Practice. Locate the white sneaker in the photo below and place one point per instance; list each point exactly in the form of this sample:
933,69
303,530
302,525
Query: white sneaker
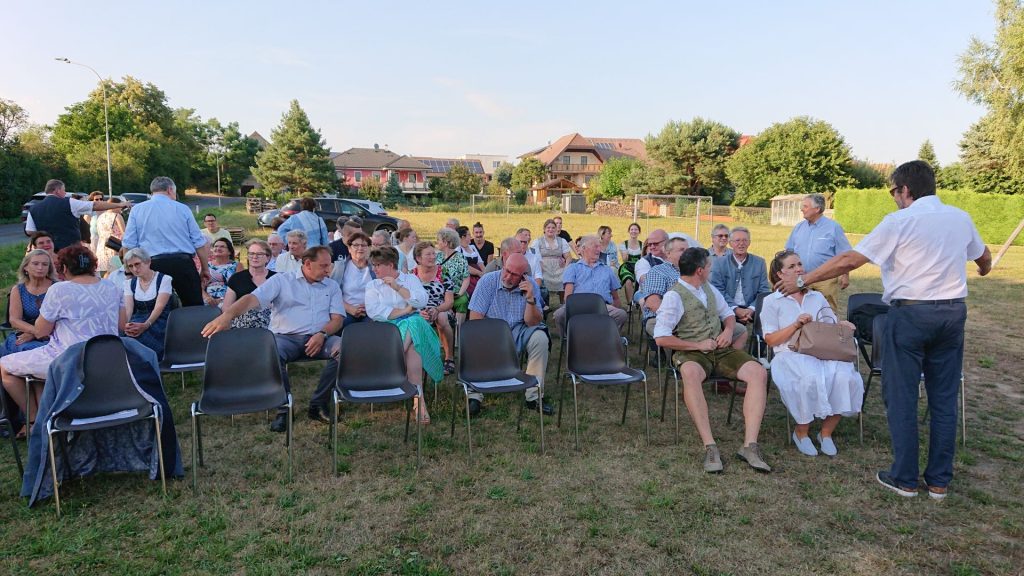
828,447
804,445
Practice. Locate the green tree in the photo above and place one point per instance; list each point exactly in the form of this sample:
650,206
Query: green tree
503,175
610,181
651,179
462,183
992,75
371,189
439,188
529,172
866,175
697,151
393,193
951,177
12,118
801,156
297,157
494,188
927,153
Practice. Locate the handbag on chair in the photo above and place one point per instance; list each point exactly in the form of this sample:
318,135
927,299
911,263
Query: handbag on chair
825,340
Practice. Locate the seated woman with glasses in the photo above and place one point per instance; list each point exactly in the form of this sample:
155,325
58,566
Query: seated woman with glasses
222,267
353,274
440,299
147,302
397,298
810,388
246,281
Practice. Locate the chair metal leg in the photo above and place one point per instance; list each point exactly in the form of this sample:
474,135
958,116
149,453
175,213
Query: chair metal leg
963,411
661,380
732,401
469,429
195,448
419,434
408,412
561,399
647,415
182,380
14,446
558,370
53,474
454,405
160,451
289,438
540,412
519,418
575,412
199,440
676,378
334,432
625,404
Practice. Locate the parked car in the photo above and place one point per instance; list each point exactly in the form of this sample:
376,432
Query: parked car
266,217
331,209
136,197
375,207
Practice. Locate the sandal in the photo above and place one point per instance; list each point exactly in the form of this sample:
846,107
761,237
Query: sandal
422,417
449,367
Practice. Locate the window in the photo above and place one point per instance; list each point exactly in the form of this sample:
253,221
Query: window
358,176
566,159
583,160
496,163
412,177
376,176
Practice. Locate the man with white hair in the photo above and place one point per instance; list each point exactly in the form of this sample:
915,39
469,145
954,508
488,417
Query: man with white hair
816,239
719,243
292,259
590,275
276,247
452,223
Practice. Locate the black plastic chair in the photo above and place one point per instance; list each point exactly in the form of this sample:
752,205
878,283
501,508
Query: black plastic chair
575,304
7,411
371,370
597,356
854,302
110,397
488,364
242,376
184,346
6,327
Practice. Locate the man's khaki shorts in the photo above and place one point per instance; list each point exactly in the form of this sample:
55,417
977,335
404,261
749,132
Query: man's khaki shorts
724,362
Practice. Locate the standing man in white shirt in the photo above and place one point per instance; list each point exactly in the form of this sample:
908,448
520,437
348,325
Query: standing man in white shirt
922,249
59,215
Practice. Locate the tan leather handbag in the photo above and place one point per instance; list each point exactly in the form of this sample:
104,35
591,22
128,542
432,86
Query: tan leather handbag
825,340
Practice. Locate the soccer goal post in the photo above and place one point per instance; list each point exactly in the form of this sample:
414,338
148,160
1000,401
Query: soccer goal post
490,204
680,213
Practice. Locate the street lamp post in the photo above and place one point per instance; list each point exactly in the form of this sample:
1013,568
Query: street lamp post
106,124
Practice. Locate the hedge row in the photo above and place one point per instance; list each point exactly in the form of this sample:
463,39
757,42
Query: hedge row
995,215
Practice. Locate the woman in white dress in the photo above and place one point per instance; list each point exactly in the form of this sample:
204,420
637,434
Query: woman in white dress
810,388
554,257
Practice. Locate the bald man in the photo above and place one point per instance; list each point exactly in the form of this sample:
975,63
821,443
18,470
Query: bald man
510,294
655,254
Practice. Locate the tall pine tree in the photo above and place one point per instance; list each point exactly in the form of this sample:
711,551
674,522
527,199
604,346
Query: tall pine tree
297,158
927,153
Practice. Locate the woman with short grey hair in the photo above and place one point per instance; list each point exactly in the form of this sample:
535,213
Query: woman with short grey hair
147,301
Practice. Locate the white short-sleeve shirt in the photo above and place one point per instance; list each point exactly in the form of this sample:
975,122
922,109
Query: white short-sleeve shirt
923,250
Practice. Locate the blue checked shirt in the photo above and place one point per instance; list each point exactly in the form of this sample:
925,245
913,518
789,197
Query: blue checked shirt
492,300
597,279
657,282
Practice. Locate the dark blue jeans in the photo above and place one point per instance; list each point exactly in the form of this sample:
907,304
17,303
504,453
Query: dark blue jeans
292,348
923,339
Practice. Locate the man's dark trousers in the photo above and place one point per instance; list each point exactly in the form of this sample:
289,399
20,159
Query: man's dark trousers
184,277
923,339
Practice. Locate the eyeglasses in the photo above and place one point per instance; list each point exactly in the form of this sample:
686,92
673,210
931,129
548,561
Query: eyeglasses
721,236
649,243
254,254
892,191
358,246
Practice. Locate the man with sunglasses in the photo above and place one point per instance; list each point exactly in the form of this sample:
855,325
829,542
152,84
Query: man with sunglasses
719,243
655,254
922,249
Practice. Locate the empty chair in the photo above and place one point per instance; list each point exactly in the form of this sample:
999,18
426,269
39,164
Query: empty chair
7,411
575,304
371,370
184,346
488,364
597,356
109,397
242,376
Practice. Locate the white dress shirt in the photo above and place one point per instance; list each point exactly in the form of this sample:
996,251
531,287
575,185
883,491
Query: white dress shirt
382,299
671,309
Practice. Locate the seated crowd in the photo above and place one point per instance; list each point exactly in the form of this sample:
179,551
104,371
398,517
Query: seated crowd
306,285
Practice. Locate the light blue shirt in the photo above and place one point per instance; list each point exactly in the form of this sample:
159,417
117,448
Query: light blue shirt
311,224
493,300
298,306
817,243
598,279
162,226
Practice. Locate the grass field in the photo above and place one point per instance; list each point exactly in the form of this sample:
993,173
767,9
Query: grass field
619,506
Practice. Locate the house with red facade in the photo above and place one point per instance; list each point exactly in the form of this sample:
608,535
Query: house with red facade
355,165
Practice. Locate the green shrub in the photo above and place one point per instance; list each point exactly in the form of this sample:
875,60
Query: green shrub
995,215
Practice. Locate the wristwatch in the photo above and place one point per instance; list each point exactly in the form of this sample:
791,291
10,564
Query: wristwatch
800,282
531,301
324,333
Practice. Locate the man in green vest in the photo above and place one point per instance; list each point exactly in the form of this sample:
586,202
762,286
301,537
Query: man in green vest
695,322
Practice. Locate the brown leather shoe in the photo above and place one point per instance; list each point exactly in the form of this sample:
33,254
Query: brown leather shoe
937,492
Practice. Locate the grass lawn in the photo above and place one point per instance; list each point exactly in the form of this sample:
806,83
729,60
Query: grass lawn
619,506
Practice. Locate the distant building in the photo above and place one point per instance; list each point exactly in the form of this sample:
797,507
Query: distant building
439,167
490,162
356,164
573,161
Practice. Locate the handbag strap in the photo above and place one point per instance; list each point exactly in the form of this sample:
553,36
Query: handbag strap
832,319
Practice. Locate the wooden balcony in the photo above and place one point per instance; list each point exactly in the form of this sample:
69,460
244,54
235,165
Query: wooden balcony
574,168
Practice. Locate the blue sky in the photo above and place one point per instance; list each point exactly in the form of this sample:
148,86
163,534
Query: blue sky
449,78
